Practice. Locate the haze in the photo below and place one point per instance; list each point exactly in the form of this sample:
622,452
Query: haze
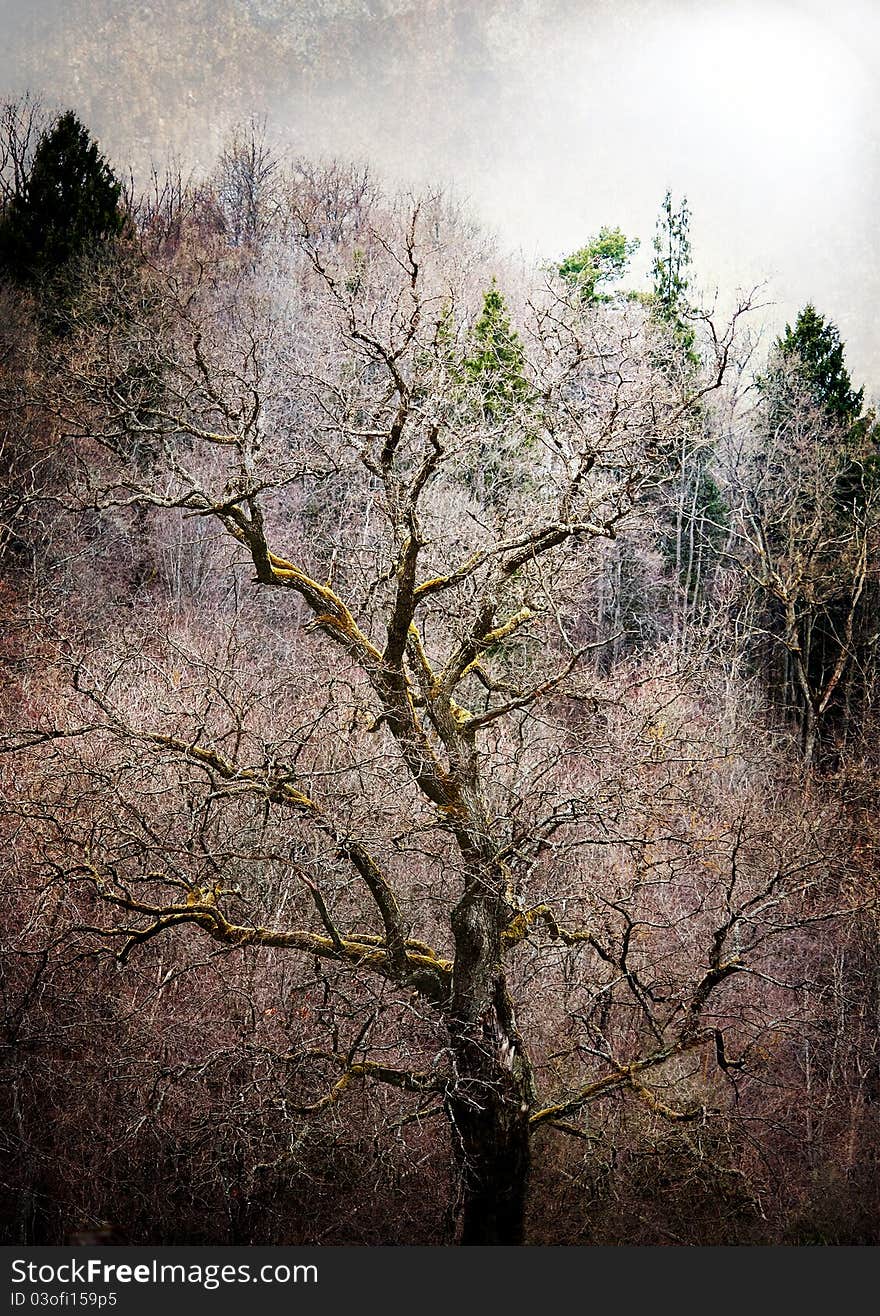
553,117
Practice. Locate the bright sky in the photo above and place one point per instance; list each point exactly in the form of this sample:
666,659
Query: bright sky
554,116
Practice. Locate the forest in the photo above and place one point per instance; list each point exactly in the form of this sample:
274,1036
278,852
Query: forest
438,769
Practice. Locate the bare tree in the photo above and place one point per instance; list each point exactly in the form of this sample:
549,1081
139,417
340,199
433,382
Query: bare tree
22,123
247,184
399,764
806,529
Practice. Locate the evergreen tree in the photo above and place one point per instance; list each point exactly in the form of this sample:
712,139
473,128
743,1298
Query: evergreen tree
489,382
496,361
809,359
670,273
692,542
603,260
672,257
815,349
69,202
812,419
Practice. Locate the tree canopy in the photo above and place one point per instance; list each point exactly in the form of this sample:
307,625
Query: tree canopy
813,347
602,261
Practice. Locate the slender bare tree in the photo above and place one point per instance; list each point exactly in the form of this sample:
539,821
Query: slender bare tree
805,501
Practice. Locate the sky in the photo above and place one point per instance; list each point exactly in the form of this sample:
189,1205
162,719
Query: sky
553,117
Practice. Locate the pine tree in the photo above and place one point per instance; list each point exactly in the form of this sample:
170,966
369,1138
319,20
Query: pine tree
827,638
496,360
808,360
490,383
603,260
814,350
672,257
670,273
693,541
69,203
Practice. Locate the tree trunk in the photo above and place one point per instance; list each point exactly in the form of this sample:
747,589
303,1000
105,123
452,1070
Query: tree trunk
492,1146
488,1105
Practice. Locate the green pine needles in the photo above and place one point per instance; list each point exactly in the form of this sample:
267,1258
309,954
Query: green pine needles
602,261
495,363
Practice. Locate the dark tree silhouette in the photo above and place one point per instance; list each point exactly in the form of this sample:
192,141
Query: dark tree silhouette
815,349
69,202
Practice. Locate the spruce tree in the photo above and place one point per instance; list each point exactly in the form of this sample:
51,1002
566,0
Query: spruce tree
828,640
815,351
808,360
69,202
496,360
